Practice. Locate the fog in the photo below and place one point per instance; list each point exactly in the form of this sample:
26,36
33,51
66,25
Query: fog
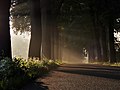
71,56
20,47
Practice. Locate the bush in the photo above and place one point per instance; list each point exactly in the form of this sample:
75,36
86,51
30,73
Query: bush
17,72
10,75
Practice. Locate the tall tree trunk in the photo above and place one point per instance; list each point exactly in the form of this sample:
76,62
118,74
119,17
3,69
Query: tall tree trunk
60,45
58,34
104,48
46,28
96,34
91,54
112,52
55,31
98,46
56,48
5,42
97,37
53,36
50,37
36,30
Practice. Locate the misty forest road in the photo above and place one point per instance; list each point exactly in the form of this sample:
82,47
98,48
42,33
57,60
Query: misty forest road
80,77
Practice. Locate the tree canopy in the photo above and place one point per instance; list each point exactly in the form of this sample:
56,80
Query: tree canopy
86,24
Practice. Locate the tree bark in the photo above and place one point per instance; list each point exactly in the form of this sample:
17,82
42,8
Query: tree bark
50,33
104,47
5,42
97,36
112,52
36,30
91,54
46,28
57,43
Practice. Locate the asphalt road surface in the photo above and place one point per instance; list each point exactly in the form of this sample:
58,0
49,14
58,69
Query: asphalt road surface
79,77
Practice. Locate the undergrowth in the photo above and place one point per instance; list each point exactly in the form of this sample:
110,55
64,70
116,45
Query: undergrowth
107,63
15,73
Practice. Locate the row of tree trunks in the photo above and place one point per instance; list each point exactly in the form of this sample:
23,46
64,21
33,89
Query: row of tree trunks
103,49
44,37
5,43
44,34
50,33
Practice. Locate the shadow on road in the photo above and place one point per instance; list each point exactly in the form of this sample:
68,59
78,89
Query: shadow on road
92,70
35,86
88,66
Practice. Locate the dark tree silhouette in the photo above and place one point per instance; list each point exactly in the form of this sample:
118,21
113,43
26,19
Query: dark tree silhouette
50,33
36,30
104,13
5,42
112,52
46,28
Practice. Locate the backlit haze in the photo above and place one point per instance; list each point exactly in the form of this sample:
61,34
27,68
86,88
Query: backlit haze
20,43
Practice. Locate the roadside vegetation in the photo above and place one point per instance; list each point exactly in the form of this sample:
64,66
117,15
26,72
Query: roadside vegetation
107,63
16,73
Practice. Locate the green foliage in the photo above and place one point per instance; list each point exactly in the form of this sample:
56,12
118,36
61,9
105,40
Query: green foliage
20,16
17,72
21,24
76,20
22,9
107,64
10,75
